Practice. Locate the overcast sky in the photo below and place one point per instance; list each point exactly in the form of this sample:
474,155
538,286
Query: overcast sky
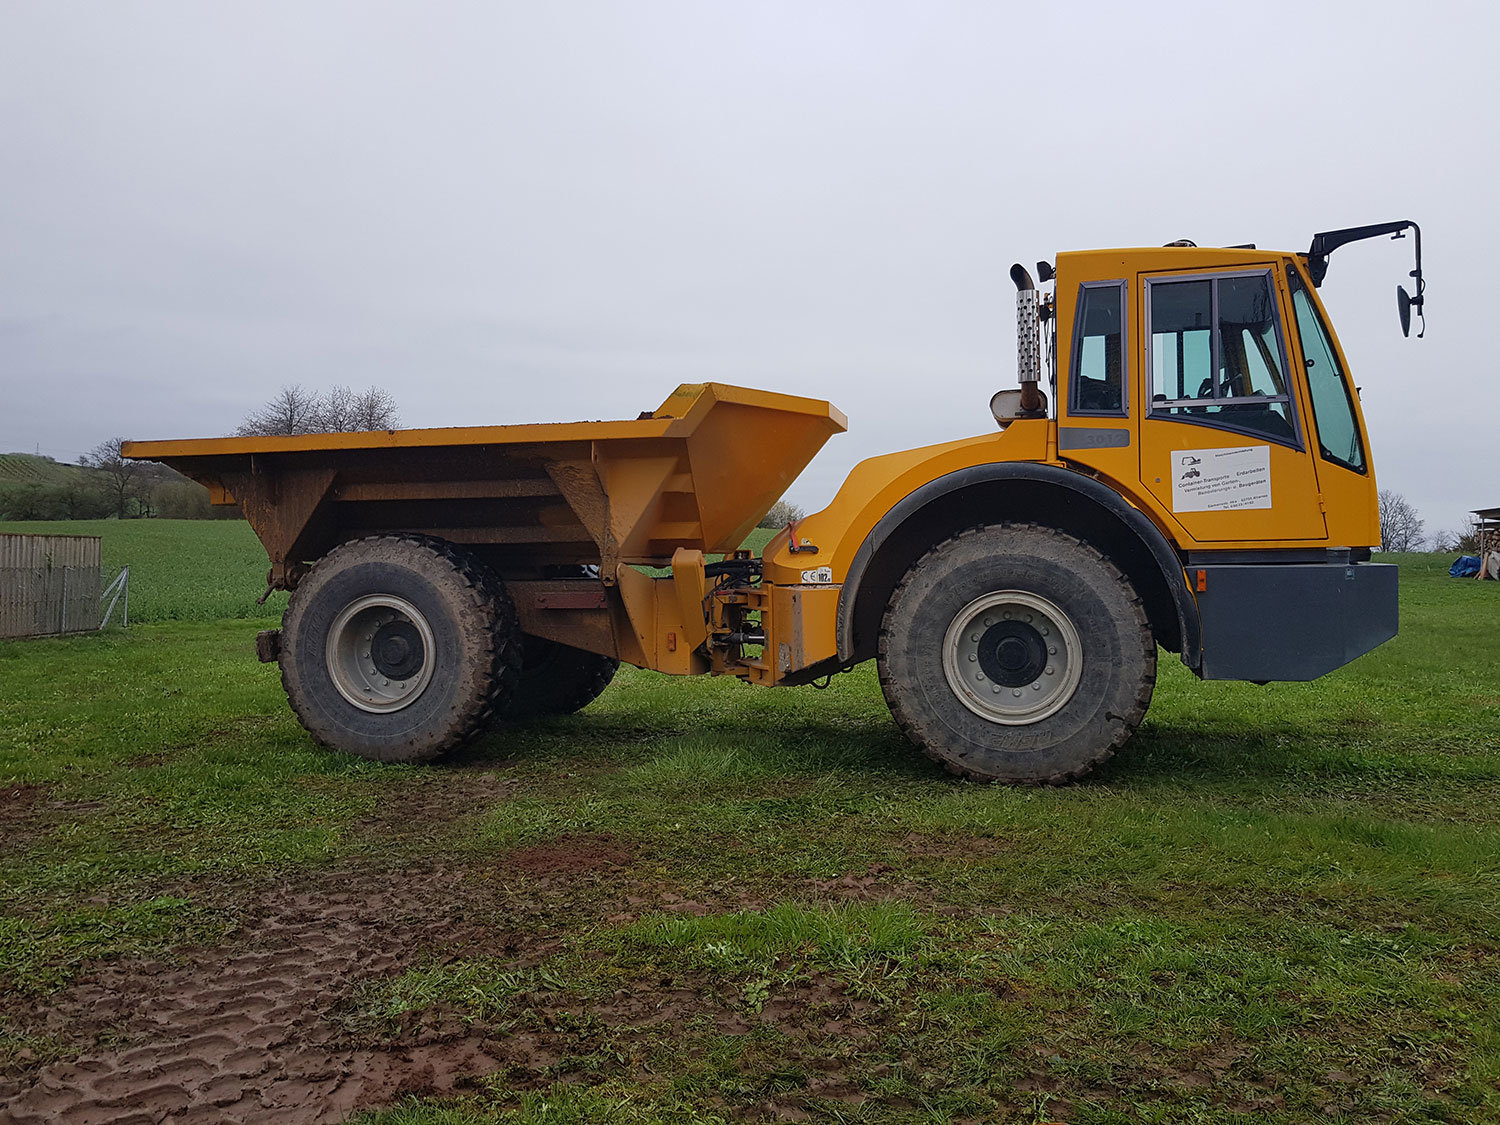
521,212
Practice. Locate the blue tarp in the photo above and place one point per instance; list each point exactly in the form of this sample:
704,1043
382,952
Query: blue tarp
1466,566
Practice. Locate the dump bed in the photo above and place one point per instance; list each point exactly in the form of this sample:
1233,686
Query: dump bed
698,472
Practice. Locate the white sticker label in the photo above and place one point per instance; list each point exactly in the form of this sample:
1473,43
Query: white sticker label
822,576
1221,480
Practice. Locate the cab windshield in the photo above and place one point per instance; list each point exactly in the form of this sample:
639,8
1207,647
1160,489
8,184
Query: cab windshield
1332,399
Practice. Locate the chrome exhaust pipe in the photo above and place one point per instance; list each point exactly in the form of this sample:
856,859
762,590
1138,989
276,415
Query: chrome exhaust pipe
1028,343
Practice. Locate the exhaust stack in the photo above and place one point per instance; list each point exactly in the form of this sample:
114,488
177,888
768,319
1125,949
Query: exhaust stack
1028,345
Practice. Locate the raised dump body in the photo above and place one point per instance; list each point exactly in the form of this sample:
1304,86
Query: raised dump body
698,473
564,514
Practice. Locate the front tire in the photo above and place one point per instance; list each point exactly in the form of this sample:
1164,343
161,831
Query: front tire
398,648
1016,653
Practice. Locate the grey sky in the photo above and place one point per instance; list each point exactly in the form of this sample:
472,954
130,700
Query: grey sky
549,211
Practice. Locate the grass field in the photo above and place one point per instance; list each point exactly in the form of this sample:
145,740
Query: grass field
180,570
702,901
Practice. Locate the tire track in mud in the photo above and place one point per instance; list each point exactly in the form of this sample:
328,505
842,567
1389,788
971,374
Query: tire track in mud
239,1033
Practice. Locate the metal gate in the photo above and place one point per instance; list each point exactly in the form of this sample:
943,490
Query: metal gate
49,584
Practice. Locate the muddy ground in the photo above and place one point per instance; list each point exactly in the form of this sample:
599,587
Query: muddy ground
257,1027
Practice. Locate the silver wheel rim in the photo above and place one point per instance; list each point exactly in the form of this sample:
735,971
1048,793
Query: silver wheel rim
1012,657
372,638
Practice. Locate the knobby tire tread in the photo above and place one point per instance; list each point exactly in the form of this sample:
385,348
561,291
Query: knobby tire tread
914,729
503,637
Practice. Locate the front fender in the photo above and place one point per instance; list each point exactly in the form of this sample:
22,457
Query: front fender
987,493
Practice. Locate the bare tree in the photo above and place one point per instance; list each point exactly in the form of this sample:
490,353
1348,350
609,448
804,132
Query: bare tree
336,411
122,479
1465,540
781,514
344,411
374,409
1400,526
296,410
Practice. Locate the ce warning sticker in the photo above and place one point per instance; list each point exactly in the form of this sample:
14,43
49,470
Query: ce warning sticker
1221,480
822,576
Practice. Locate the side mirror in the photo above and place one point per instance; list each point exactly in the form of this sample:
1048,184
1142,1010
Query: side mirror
1403,309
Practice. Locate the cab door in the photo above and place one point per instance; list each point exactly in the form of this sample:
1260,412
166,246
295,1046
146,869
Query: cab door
1222,445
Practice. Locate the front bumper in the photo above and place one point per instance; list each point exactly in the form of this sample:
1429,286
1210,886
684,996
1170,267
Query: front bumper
1291,621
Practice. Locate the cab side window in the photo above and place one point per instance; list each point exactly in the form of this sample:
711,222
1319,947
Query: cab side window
1217,357
1098,379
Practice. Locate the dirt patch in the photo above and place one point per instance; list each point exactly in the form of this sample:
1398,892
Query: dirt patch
146,761
239,1032
28,810
875,884
417,807
569,855
19,798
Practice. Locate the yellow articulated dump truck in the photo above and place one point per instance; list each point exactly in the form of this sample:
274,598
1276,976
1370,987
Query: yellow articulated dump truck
1198,480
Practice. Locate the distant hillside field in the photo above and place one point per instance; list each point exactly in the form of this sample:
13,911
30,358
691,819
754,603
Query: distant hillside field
27,468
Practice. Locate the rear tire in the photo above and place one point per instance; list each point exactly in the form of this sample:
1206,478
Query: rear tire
1016,653
398,648
556,679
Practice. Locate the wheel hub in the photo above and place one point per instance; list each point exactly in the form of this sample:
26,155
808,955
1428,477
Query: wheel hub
377,653
1012,653
396,650
1012,657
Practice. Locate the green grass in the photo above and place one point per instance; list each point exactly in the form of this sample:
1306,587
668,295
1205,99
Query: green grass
1278,904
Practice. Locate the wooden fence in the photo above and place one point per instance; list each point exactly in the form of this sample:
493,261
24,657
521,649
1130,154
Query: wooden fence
49,584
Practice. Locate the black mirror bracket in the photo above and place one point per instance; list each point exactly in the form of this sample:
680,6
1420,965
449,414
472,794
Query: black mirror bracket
1327,242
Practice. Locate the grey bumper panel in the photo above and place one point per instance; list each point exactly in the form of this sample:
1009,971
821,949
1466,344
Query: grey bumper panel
1292,622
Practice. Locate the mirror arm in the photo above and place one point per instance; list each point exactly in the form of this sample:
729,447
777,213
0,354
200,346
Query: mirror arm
1327,242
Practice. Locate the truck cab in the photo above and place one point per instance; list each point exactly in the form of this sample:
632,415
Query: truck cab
1208,386
1203,450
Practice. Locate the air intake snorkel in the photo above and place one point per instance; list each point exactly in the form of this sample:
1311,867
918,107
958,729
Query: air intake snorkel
1028,347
